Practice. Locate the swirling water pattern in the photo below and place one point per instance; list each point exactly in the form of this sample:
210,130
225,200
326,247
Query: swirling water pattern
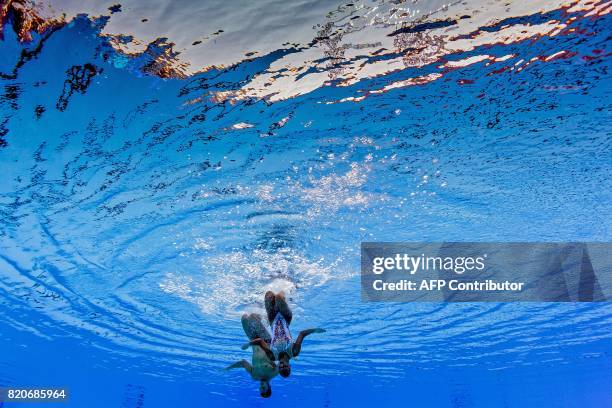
142,214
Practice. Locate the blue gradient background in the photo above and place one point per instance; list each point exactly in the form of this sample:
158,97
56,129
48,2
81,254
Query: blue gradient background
138,225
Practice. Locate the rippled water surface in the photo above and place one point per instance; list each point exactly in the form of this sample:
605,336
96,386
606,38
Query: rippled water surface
149,198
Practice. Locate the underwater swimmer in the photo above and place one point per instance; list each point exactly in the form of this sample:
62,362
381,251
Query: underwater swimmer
281,344
262,365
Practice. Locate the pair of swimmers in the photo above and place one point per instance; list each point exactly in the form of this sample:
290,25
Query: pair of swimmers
270,348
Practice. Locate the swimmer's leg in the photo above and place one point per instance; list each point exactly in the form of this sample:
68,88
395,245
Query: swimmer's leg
269,301
254,328
260,328
282,307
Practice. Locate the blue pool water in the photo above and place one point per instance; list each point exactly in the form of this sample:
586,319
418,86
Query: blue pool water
143,213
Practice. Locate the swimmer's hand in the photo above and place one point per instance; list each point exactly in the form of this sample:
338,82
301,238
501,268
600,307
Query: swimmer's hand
242,363
256,342
318,330
261,343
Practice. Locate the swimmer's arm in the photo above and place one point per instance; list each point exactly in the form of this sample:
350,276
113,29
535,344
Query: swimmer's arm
264,346
242,363
297,346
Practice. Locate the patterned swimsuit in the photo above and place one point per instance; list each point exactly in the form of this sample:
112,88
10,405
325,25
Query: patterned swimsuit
281,337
